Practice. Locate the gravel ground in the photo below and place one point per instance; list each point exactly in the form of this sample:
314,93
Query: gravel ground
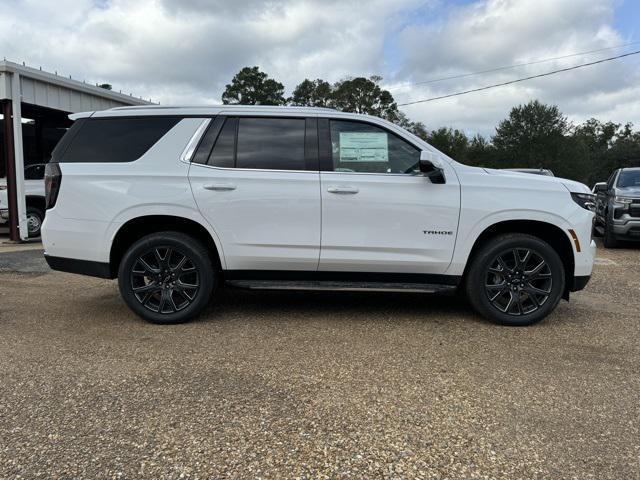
316,385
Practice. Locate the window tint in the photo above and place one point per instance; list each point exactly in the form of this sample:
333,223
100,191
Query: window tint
611,180
271,143
222,154
115,139
34,172
362,147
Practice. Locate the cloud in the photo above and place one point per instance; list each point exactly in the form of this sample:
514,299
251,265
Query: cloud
494,33
184,52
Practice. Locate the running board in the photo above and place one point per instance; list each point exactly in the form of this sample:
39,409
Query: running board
341,286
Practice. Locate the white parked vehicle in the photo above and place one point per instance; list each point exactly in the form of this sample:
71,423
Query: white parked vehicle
175,201
35,198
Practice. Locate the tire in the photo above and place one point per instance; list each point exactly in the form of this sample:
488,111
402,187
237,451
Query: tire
35,217
534,286
609,240
155,271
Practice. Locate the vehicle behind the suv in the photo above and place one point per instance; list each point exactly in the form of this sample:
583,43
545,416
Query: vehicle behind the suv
618,207
34,198
175,202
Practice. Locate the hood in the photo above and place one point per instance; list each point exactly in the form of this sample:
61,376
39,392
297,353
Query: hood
628,191
570,185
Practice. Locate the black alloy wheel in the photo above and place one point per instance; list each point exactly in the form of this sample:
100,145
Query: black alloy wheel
164,279
515,279
167,277
518,281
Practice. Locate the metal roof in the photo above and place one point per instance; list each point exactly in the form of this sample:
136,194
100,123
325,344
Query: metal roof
50,90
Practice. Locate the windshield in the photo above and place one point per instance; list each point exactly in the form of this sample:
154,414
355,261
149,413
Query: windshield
629,178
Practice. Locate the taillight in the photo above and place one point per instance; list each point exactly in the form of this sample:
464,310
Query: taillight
52,179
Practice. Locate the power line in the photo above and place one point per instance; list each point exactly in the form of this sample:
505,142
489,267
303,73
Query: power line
519,79
509,67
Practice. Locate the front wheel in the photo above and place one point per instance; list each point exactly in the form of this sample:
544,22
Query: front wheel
515,279
609,240
167,277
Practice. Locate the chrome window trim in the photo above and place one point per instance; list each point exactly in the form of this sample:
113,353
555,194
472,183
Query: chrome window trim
190,149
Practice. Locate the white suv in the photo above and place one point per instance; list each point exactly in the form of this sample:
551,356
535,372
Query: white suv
175,201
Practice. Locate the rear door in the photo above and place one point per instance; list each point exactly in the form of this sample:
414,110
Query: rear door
379,214
256,181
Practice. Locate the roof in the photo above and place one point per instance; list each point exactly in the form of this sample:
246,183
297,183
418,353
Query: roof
51,90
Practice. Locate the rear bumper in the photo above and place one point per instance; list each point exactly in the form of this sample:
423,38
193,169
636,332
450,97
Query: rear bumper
81,267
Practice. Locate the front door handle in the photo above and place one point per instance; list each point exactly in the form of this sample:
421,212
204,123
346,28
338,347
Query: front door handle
220,186
343,190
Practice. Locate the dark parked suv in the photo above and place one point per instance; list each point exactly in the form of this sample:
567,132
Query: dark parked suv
618,207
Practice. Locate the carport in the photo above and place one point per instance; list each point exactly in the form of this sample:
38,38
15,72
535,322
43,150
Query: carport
34,109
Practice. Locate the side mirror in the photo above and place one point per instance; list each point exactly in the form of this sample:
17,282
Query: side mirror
431,166
600,187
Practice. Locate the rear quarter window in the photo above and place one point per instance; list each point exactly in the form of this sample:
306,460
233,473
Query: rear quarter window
108,140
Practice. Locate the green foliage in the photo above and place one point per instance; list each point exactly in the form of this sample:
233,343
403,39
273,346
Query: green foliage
250,86
106,86
364,95
312,93
452,142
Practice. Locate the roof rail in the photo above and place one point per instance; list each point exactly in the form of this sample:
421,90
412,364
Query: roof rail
260,107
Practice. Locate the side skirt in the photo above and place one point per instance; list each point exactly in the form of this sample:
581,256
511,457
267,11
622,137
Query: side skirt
342,281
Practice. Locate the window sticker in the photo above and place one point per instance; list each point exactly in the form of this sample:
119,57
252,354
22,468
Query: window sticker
363,147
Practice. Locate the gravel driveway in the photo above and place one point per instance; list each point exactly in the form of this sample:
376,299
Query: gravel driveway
316,385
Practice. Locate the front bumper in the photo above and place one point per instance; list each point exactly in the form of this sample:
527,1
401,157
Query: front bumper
580,282
629,229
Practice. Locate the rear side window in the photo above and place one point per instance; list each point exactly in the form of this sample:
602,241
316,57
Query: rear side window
103,140
271,143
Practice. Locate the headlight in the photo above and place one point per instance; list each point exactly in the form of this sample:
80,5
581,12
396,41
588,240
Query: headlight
623,201
585,200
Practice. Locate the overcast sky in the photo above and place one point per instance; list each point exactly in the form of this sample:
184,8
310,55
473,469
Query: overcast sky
184,52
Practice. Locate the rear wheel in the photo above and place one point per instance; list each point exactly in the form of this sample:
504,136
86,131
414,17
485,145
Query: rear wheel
515,279
35,217
167,277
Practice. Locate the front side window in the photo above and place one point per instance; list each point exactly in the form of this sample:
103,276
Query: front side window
113,139
362,147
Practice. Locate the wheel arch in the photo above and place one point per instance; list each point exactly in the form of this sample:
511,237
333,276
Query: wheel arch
555,236
138,227
36,201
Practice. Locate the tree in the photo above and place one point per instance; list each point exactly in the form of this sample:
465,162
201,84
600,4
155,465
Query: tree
364,95
106,86
451,142
531,136
312,93
250,86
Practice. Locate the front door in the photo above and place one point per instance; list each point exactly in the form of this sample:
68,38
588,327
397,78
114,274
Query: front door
260,191
378,213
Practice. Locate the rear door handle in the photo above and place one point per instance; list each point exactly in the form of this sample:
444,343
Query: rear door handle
220,186
343,190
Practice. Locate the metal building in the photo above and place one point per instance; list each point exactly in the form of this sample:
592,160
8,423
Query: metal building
37,104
